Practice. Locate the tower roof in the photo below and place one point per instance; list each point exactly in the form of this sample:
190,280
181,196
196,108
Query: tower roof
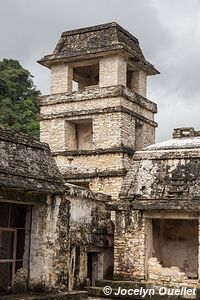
97,41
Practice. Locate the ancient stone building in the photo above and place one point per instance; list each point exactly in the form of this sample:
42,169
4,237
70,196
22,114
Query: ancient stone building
56,230
51,232
157,217
97,114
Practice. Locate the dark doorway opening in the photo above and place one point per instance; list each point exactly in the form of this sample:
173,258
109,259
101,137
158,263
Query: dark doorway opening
15,226
92,267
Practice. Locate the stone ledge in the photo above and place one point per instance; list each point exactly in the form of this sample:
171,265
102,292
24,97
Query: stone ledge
98,93
116,109
77,191
152,204
118,173
114,150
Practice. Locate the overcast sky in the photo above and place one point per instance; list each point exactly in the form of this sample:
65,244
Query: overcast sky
168,31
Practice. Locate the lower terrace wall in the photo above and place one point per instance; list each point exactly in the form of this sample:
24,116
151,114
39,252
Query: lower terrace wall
134,252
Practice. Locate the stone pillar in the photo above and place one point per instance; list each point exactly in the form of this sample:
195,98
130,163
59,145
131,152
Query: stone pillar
112,71
138,83
199,249
61,78
148,244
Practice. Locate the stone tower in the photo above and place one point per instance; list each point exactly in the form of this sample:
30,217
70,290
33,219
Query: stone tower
97,114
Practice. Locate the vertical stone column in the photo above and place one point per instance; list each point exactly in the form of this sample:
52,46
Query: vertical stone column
138,83
199,248
148,244
61,78
112,71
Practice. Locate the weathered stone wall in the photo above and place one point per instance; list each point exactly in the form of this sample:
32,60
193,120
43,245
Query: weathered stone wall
88,164
90,230
169,175
129,246
113,113
61,78
49,256
111,96
134,250
172,276
138,83
112,71
108,185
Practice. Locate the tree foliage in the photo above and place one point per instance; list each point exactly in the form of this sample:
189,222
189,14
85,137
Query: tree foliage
18,98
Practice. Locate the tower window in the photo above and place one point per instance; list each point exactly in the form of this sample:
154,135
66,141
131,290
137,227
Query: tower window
86,76
79,134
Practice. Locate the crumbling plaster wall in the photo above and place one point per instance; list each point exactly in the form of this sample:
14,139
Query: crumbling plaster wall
49,256
90,230
164,175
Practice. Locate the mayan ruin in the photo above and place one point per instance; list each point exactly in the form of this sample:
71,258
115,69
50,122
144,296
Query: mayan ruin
96,202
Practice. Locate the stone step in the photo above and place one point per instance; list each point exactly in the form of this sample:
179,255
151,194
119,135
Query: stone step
73,295
109,289
99,292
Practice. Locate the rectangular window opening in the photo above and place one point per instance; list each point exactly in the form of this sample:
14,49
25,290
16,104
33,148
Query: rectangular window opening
79,134
85,77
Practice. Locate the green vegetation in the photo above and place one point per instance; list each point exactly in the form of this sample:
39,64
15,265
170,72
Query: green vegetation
18,98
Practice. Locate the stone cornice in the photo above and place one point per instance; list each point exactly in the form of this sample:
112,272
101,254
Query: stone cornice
106,173
94,152
115,109
98,93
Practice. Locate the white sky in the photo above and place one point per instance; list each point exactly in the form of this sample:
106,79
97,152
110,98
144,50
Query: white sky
168,31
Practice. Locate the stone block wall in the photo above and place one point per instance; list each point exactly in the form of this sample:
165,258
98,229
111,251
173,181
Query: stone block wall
90,231
108,185
138,83
129,246
61,78
49,256
112,71
113,113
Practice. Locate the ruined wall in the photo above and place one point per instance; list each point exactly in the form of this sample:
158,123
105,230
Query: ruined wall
90,231
159,175
175,243
49,256
129,246
91,162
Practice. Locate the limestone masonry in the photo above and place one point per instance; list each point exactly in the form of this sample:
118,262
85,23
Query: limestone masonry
97,114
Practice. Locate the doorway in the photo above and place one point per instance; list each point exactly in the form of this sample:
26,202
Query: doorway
92,267
15,226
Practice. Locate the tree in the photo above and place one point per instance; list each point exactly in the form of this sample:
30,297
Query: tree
18,98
